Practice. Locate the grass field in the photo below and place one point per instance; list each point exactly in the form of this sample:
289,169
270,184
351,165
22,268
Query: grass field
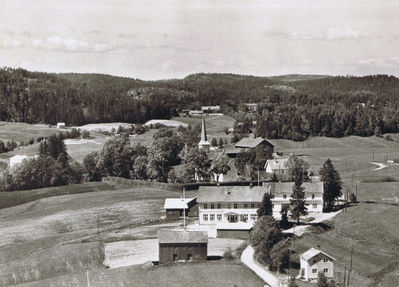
371,229
217,273
42,227
215,125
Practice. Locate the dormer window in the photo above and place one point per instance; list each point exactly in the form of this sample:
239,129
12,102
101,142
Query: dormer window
312,196
284,196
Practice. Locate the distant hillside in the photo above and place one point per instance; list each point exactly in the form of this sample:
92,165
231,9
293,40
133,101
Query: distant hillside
289,106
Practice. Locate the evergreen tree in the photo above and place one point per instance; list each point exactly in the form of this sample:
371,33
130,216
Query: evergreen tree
297,201
284,214
266,207
214,142
332,184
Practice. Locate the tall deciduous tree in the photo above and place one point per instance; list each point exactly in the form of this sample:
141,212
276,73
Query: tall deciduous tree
197,165
297,169
332,184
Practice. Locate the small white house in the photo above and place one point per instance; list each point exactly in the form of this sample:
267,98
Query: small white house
277,166
313,262
60,125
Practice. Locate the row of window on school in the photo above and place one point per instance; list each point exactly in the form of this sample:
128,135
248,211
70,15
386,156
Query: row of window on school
230,217
236,205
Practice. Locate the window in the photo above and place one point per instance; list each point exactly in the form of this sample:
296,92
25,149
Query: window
271,195
212,206
235,205
325,270
284,196
174,257
205,206
252,205
245,205
253,216
258,205
219,205
232,217
325,260
244,217
229,206
312,196
189,257
205,217
314,271
314,206
219,217
272,206
212,217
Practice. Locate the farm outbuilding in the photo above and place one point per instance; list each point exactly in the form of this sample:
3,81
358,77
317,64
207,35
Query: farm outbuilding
182,246
174,207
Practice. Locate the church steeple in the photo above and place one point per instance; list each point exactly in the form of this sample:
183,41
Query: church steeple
204,140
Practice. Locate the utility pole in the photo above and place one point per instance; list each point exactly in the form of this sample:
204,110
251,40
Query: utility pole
258,176
87,278
356,192
373,154
345,275
184,209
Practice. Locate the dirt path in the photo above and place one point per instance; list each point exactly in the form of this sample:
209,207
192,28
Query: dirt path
380,165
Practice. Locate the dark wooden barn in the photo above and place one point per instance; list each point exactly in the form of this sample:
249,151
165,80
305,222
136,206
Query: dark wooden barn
174,207
182,246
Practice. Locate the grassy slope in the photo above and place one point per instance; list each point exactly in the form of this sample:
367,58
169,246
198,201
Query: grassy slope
41,227
220,273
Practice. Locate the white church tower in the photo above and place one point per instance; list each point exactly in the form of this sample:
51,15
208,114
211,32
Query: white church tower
204,140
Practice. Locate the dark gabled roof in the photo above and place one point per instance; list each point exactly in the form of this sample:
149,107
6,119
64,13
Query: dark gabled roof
182,236
251,142
231,193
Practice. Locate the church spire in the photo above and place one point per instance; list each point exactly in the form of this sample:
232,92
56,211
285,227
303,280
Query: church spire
204,140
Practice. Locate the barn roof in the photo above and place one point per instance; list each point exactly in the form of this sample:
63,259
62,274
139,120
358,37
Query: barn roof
251,142
177,203
231,193
182,236
277,163
312,252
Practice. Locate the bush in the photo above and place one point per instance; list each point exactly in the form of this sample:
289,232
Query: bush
228,254
240,249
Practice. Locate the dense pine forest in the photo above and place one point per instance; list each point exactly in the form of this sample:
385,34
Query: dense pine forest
293,106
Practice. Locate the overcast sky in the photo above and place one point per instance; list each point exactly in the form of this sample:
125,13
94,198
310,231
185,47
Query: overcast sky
159,39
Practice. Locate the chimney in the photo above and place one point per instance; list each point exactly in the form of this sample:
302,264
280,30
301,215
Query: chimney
318,247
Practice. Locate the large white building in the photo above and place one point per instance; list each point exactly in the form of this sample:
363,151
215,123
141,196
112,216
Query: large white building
314,262
228,205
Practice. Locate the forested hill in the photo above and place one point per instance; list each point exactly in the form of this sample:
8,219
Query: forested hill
290,106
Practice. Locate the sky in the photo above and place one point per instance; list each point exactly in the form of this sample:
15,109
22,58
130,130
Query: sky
163,39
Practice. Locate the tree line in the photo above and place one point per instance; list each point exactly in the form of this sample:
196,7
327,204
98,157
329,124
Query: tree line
308,106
